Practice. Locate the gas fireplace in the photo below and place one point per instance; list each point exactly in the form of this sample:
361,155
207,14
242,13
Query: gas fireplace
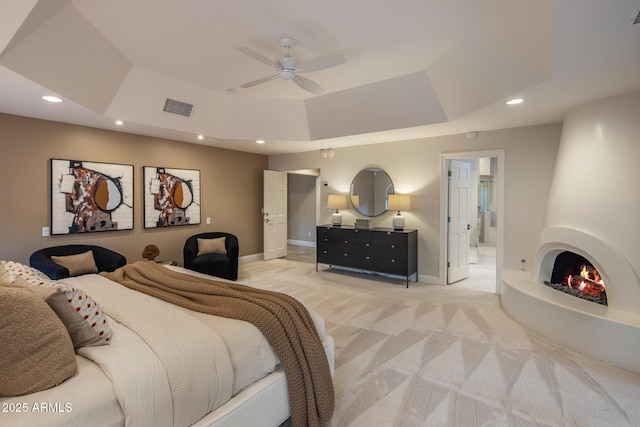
575,275
583,250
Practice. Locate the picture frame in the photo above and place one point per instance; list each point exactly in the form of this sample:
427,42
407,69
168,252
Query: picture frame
171,196
89,197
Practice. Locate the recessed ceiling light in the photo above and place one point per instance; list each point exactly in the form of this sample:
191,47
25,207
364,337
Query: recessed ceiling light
51,98
514,101
260,141
119,122
201,137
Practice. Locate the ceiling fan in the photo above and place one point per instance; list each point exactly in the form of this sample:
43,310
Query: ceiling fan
288,68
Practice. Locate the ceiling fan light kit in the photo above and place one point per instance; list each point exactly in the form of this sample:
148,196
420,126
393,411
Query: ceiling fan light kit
287,67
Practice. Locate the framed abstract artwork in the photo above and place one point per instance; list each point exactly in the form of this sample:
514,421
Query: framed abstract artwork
171,197
88,197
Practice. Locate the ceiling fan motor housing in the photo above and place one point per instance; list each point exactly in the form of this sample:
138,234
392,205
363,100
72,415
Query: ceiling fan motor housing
287,74
288,65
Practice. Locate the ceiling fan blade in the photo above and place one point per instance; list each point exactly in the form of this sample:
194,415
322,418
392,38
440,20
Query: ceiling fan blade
259,81
321,63
259,57
308,85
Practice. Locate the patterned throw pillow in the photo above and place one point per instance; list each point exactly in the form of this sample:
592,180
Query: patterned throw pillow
82,316
11,269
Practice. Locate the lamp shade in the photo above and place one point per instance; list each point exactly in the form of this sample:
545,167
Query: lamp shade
399,202
337,201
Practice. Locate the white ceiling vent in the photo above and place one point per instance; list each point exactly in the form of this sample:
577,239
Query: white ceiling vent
177,107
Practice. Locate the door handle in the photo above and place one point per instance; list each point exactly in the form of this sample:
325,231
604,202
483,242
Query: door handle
468,226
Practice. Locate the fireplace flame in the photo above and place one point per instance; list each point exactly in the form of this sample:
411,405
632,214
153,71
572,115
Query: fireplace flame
589,281
592,275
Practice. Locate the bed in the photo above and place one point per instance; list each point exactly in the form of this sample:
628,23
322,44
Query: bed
163,365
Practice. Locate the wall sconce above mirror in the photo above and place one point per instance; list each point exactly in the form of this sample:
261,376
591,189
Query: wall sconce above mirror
369,191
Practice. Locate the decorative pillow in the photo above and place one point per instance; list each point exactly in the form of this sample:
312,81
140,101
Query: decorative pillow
11,269
37,352
86,324
212,246
79,264
4,274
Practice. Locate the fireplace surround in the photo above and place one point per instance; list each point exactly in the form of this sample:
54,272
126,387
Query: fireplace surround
603,231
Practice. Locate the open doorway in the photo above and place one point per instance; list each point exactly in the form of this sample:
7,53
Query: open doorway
302,202
472,256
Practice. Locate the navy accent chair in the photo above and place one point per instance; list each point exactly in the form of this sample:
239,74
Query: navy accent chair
105,259
220,265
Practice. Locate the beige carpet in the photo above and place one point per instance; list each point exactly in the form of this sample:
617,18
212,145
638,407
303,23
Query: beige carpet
446,356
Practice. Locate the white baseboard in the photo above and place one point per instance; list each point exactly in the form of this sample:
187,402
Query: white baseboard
432,280
302,243
252,257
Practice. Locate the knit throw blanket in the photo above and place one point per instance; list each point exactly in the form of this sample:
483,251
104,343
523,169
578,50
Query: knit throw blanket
282,319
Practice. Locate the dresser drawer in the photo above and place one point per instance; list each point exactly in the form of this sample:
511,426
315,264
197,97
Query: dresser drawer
329,233
389,238
347,259
386,265
391,251
337,246
359,236
367,249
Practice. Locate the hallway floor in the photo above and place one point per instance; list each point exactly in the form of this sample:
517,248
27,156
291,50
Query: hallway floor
482,275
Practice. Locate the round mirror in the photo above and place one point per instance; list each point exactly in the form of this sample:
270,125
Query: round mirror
369,191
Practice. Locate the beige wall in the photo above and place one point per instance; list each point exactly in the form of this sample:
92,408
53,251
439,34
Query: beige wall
231,183
415,168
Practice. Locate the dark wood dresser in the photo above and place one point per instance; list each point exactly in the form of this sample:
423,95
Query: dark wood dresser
381,250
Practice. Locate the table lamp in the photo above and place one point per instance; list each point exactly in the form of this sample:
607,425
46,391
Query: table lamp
337,202
399,202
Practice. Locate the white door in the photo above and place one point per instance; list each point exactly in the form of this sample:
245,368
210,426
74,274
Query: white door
274,214
458,224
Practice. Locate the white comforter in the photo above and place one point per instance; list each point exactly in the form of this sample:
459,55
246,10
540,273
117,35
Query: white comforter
184,361
165,364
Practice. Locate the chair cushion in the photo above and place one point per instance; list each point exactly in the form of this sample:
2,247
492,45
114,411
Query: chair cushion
210,259
212,246
79,264
37,352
